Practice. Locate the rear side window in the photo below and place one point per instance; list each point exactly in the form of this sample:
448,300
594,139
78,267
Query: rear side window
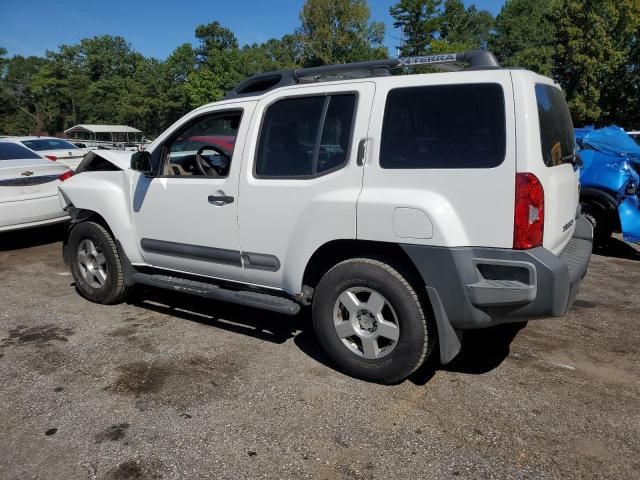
444,126
306,136
49,144
556,127
13,151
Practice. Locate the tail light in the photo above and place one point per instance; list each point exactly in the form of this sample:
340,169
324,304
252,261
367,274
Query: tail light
65,176
51,157
528,225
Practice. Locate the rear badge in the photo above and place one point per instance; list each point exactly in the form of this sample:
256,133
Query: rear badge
567,226
26,173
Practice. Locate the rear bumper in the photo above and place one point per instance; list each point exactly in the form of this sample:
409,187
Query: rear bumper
473,288
34,212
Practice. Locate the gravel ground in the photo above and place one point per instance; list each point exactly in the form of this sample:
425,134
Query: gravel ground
170,386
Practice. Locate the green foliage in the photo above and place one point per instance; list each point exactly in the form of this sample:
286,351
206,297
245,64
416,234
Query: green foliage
339,31
420,22
525,35
596,59
434,26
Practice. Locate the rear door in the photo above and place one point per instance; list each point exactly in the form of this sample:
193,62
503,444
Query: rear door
302,181
546,148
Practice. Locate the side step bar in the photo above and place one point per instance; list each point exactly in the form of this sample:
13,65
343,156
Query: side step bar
241,297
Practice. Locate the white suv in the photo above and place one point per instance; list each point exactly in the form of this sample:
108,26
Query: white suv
403,208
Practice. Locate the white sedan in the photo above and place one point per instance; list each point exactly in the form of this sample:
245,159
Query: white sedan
29,188
55,149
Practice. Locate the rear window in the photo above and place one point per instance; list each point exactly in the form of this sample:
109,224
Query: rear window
13,151
556,127
49,144
444,126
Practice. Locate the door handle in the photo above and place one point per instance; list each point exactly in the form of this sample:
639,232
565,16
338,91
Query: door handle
361,152
220,200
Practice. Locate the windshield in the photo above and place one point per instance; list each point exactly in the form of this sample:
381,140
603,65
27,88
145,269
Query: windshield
13,151
556,127
49,144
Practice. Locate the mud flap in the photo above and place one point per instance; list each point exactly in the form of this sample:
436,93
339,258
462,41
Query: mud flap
447,337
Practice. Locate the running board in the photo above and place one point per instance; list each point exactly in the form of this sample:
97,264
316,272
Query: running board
263,301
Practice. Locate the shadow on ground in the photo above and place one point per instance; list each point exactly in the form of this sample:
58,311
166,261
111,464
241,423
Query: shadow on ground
482,350
32,237
616,248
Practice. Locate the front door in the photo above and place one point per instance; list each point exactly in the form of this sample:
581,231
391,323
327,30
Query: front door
186,216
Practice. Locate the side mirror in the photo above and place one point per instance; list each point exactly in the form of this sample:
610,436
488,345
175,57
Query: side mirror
141,162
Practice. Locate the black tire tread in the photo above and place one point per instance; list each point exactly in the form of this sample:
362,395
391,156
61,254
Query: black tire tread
120,291
429,342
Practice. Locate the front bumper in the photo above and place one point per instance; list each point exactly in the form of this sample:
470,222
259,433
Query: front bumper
473,287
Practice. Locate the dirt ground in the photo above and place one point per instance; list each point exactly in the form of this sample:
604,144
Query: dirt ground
171,386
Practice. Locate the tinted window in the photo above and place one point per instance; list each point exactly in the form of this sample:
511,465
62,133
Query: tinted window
556,128
302,137
49,144
13,151
448,126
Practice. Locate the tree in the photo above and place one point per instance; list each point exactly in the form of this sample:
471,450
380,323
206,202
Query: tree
339,31
434,26
525,35
596,59
273,54
24,111
419,21
468,27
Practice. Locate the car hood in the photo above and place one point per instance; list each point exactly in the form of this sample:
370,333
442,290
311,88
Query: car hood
612,140
119,158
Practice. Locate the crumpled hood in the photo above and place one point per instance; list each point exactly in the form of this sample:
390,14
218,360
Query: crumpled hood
612,140
119,158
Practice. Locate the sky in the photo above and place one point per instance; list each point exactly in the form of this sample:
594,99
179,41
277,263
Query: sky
156,27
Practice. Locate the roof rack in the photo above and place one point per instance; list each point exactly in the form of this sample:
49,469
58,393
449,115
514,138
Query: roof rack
264,82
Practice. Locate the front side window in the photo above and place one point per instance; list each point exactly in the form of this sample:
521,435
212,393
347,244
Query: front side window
204,147
556,127
306,136
444,126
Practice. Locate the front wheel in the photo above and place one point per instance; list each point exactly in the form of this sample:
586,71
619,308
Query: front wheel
95,264
370,321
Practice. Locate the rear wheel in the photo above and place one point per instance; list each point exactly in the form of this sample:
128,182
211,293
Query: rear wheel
95,264
370,321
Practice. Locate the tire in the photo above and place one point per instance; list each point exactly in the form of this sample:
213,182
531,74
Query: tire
105,258
597,215
349,288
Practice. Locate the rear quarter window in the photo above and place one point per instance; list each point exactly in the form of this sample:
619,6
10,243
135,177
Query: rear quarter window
556,128
444,126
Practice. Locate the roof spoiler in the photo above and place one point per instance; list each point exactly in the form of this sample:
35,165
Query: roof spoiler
263,82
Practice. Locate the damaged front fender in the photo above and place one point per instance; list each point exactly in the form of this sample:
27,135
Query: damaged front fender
629,211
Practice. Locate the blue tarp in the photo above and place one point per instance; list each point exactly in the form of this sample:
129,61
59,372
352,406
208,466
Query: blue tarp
613,140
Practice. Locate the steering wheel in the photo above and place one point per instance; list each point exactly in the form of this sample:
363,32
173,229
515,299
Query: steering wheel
209,170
